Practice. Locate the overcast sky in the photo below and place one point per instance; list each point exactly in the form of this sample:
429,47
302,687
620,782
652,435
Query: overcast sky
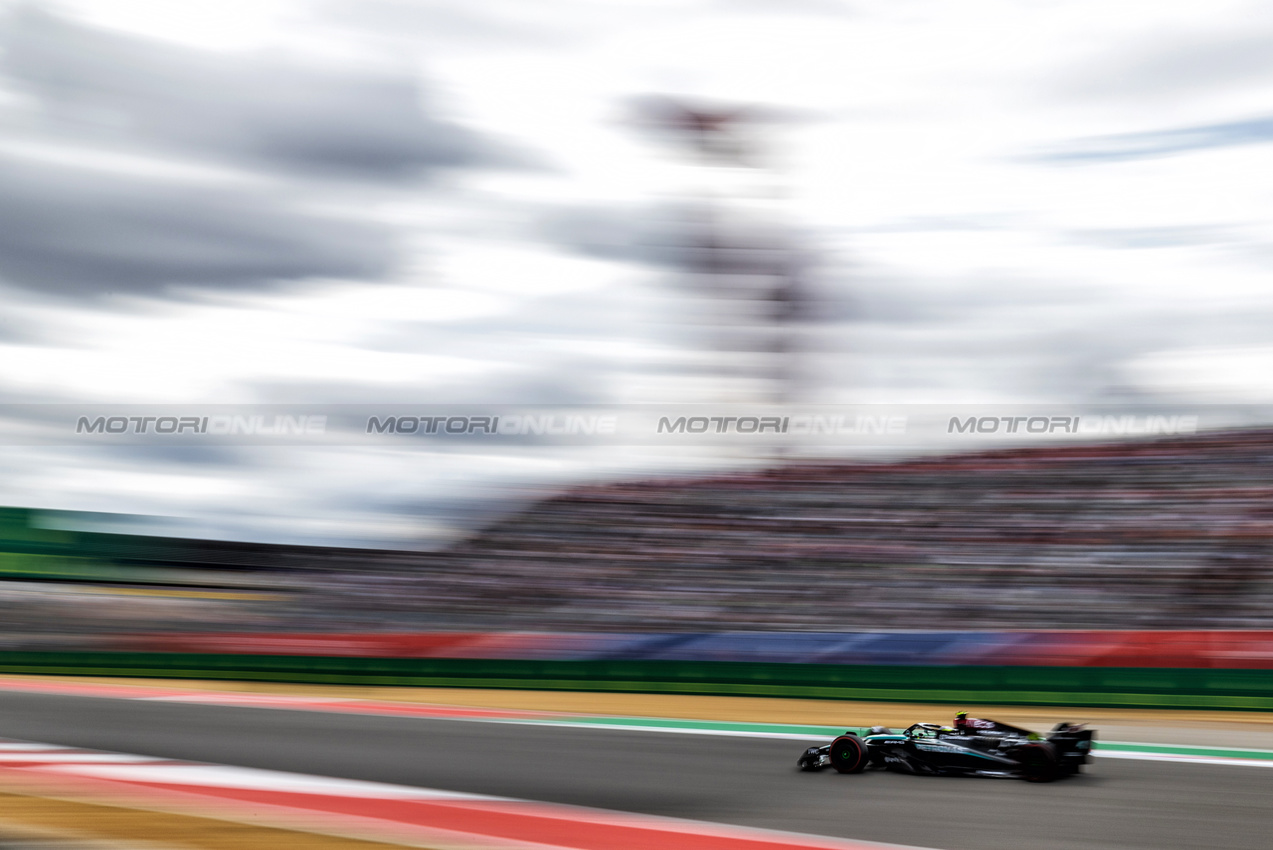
399,200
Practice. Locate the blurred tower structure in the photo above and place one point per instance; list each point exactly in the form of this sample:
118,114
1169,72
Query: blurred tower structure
736,252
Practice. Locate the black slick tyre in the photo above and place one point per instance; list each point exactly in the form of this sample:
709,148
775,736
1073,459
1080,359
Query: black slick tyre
1038,763
848,754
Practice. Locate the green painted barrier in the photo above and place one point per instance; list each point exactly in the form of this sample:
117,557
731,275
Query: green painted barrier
1117,687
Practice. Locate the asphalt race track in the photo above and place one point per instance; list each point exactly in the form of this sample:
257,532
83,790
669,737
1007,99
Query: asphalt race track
1116,804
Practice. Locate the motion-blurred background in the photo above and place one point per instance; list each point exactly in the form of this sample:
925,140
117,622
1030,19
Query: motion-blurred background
569,203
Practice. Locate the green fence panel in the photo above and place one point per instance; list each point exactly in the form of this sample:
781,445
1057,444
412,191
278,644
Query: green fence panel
1061,686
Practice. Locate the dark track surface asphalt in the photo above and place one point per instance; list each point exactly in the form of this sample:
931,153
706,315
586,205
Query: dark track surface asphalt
1116,804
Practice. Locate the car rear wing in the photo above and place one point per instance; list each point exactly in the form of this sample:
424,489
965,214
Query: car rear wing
1073,744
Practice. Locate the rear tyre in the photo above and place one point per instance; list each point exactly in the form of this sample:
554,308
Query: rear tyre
1038,763
848,754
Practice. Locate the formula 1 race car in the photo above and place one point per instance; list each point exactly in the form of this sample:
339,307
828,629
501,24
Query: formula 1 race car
976,748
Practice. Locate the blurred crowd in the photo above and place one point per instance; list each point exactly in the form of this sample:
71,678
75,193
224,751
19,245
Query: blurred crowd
1163,534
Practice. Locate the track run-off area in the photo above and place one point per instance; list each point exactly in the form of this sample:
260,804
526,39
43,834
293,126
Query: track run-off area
495,774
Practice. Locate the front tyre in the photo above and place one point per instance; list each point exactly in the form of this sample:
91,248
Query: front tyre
848,754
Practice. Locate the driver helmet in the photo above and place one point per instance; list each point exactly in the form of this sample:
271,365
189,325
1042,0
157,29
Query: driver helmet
961,719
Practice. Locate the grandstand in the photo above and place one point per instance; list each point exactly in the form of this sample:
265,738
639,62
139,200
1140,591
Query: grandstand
1168,533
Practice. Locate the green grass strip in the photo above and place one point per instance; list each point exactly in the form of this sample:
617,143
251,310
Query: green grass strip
828,732
1233,690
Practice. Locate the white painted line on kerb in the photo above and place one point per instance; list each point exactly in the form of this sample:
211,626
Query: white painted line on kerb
225,776
1181,758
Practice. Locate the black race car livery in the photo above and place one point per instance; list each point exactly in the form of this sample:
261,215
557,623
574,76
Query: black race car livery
978,748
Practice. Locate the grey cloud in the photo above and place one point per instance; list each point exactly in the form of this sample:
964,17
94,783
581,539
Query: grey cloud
1171,65
939,223
449,24
1156,143
893,299
1153,237
188,457
445,25
533,354
547,383
820,8
13,331
74,231
340,121
999,352
635,234
683,237
1031,337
